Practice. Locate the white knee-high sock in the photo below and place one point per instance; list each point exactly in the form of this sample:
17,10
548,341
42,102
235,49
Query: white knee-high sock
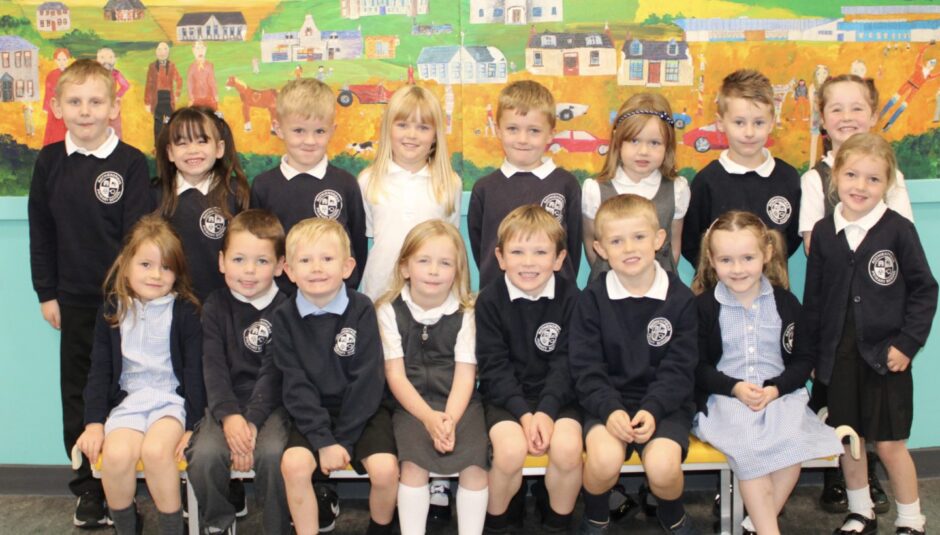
859,502
471,510
909,516
413,505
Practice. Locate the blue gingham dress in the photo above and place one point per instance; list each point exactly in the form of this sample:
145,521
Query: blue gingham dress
147,371
786,431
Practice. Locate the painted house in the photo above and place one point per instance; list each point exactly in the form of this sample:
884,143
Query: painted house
515,11
895,12
53,17
212,26
309,43
571,54
744,29
655,63
353,9
381,46
891,30
19,69
462,64
124,10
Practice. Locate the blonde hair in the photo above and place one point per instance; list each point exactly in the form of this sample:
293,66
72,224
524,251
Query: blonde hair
746,84
525,96
632,117
775,267
261,224
306,98
80,71
622,207
313,229
865,144
407,102
153,229
867,84
528,220
417,237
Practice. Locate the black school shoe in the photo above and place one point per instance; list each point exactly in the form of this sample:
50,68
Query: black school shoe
834,498
878,495
91,511
909,531
869,525
622,505
327,507
236,496
440,510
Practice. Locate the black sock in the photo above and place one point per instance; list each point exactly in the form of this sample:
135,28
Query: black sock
597,507
170,523
125,520
669,512
555,521
379,529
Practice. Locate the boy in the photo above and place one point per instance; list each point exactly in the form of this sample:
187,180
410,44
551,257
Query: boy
242,384
522,349
87,192
745,176
525,121
328,348
633,354
306,184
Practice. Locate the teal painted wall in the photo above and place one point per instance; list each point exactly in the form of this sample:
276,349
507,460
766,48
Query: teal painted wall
29,371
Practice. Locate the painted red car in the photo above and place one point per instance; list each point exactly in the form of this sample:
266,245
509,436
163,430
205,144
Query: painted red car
709,138
578,141
366,93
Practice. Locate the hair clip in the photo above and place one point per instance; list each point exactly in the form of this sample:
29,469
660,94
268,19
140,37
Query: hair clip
661,114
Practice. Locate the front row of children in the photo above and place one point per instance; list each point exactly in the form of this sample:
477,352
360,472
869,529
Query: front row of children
633,363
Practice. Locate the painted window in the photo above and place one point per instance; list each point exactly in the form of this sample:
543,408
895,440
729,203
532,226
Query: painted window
636,48
537,59
536,12
5,60
548,40
29,88
595,58
636,69
18,59
672,48
672,71
593,40
28,58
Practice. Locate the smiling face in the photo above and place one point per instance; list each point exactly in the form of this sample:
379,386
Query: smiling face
306,139
861,183
530,261
148,277
629,245
106,58
645,153
318,268
847,111
739,262
748,124
431,271
412,140
524,137
249,264
86,108
195,157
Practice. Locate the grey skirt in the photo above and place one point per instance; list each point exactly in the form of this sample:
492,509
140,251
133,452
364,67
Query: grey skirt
415,444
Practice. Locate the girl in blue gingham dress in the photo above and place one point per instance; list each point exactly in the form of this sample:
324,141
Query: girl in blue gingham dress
750,389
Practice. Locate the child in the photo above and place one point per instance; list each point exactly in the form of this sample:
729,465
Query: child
869,255
306,184
525,122
426,321
410,181
633,356
87,191
199,187
145,389
643,162
745,176
243,386
744,306
522,324
328,349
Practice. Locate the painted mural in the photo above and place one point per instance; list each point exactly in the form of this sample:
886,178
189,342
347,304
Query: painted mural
234,55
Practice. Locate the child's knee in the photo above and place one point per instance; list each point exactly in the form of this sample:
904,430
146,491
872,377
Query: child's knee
891,450
473,478
297,465
119,457
509,455
565,452
663,468
383,470
156,452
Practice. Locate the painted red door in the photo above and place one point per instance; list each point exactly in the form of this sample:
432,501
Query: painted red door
571,63
653,77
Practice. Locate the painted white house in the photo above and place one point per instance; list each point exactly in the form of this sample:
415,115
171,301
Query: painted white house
212,26
746,29
53,17
19,69
651,63
353,9
515,11
462,64
571,54
309,43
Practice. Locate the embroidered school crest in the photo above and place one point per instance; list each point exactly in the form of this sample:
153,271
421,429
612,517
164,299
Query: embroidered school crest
328,204
547,336
787,338
109,187
345,342
257,335
658,332
554,203
779,209
883,268
212,223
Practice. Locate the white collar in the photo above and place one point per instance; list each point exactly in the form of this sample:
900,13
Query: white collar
103,151
432,315
652,180
260,302
830,159
394,168
657,290
865,222
541,171
318,170
515,293
733,167
203,187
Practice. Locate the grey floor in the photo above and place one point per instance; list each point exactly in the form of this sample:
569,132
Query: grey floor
52,515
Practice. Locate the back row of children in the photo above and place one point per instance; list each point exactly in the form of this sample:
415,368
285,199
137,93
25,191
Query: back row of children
411,181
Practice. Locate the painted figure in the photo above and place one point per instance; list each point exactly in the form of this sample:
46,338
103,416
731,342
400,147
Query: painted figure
200,79
121,85
163,87
801,101
55,127
923,73
820,75
28,119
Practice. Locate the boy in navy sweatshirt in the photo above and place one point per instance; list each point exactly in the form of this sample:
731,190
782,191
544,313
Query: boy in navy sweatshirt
633,352
87,192
328,348
245,427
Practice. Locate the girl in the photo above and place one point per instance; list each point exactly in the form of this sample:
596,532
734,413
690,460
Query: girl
200,186
868,306
748,382
427,328
145,389
644,164
55,126
410,181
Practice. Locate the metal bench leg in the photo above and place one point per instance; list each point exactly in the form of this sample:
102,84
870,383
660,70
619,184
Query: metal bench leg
193,507
737,509
725,497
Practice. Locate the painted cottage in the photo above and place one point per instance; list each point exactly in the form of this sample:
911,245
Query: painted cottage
462,64
353,9
654,63
515,11
212,26
310,44
19,69
571,54
53,17
124,10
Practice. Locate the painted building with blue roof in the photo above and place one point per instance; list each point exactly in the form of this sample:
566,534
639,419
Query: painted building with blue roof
655,63
309,43
746,29
453,64
19,69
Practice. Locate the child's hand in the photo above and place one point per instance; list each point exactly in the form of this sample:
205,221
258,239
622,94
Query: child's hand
443,446
618,425
644,425
181,447
897,361
770,393
242,462
238,434
333,457
749,393
50,313
539,434
438,424
90,441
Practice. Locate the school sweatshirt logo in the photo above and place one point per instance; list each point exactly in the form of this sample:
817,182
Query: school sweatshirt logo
547,336
779,209
257,335
787,338
212,223
658,332
883,268
554,203
328,204
345,342
109,187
